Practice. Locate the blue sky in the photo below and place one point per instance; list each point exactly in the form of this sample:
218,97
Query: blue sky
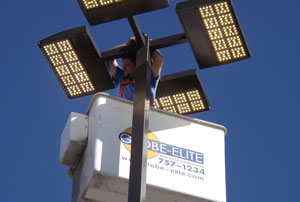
257,99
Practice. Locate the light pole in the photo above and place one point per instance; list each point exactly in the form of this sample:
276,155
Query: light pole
140,124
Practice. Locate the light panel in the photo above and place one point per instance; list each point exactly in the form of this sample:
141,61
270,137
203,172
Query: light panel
93,4
100,11
181,93
213,31
76,62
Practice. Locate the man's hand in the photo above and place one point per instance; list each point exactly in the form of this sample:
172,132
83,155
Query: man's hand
131,41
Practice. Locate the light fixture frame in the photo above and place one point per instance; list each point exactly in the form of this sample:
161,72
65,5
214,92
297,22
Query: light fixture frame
120,10
88,55
181,82
197,34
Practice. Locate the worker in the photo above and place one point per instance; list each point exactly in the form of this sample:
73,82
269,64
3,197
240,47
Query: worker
124,78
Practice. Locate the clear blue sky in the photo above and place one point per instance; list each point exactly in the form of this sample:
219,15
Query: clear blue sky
257,99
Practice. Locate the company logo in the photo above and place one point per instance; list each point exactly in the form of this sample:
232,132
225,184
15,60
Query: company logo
125,137
156,147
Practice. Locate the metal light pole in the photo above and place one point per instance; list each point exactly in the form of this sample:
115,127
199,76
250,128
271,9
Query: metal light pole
140,120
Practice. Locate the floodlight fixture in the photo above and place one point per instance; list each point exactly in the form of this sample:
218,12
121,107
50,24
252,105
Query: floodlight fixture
76,62
181,93
100,11
213,31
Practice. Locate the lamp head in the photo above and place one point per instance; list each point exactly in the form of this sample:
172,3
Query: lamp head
181,93
100,11
213,31
76,62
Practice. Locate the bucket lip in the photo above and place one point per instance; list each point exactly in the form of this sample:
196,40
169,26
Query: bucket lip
206,123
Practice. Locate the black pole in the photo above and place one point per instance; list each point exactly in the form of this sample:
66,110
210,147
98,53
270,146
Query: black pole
140,123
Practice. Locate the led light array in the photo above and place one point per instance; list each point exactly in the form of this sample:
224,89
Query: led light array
222,31
68,68
181,103
91,4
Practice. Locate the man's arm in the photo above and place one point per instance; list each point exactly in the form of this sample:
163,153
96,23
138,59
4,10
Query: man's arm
113,64
157,64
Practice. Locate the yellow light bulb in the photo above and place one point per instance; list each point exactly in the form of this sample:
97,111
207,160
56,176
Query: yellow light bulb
156,104
64,45
226,19
56,60
215,34
74,90
206,11
193,95
234,41
165,101
230,30
197,105
238,52
219,45
76,67
183,108
222,8
68,80
81,77
89,4
62,70
170,109
70,56
179,98
223,55
211,23
51,49
87,87
108,2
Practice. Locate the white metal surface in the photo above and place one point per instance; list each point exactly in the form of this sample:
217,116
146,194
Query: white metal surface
186,162
73,139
